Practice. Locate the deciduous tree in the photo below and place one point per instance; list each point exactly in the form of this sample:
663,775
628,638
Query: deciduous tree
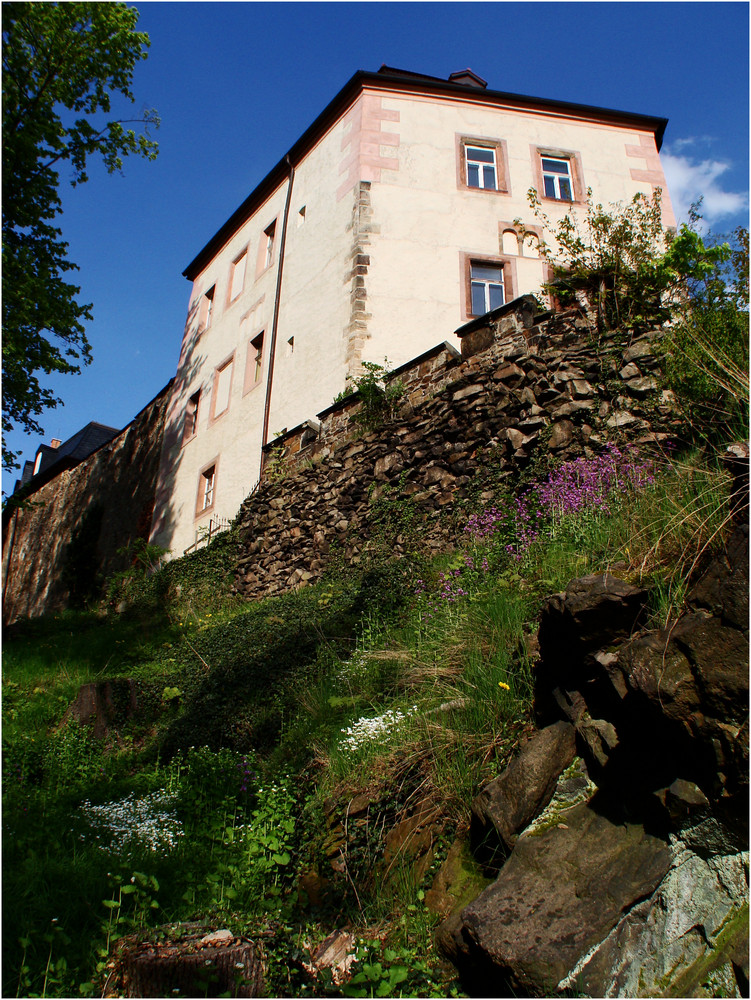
62,63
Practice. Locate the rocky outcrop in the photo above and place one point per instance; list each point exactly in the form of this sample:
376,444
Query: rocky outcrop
526,384
633,879
511,801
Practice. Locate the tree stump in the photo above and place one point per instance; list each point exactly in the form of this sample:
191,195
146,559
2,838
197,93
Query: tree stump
190,959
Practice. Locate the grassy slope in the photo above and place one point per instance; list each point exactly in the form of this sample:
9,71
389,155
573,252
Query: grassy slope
435,659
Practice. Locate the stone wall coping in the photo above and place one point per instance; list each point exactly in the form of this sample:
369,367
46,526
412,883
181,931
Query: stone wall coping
521,305
433,352
312,425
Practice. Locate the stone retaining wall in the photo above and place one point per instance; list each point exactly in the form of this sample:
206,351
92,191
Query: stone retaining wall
59,549
524,384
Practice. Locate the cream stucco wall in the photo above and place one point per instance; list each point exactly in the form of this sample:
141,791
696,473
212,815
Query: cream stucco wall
314,311
373,268
430,223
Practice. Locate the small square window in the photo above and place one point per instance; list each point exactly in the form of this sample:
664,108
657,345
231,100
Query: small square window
481,168
486,287
482,163
556,178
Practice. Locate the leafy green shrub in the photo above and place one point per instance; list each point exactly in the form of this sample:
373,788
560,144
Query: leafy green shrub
379,395
631,271
706,349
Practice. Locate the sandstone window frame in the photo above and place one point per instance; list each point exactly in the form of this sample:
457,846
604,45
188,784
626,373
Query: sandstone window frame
206,492
254,361
500,149
508,268
267,248
236,285
530,231
190,417
218,394
576,173
206,309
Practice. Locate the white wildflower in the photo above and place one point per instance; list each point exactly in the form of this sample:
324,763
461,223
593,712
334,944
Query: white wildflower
148,821
366,730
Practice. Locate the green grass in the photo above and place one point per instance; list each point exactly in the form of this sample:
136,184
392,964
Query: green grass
270,688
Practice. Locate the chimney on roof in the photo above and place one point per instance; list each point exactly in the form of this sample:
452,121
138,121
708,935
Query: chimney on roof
468,79
55,443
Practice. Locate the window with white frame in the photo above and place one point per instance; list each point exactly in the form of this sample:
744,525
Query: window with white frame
190,424
206,488
269,251
481,167
556,178
486,287
207,307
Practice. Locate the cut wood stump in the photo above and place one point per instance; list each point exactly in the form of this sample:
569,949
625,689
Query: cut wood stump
188,960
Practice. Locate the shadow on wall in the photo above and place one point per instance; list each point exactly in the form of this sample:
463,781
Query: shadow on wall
63,543
166,507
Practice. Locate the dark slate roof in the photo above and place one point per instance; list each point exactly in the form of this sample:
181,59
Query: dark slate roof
83,443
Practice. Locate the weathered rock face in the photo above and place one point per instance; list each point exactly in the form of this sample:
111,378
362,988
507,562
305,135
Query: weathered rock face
636,884
559,894
524,384
508,803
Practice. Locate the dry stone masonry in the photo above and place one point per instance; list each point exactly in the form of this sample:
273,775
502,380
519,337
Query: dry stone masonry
526,383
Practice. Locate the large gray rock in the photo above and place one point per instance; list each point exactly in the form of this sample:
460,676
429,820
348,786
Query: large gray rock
671,944
560,893
507,804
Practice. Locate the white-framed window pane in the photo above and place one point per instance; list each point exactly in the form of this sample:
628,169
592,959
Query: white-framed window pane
478,299
557,178
555,166
487,272
496,295
486,288
481,167
208,488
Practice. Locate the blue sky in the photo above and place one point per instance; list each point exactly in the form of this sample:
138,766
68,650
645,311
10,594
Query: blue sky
236,83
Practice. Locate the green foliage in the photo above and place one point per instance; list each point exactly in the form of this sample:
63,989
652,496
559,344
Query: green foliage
628,269
706,348
61,65
275,687
378,394
144,559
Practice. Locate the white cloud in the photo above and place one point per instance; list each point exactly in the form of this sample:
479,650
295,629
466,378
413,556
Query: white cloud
689,180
